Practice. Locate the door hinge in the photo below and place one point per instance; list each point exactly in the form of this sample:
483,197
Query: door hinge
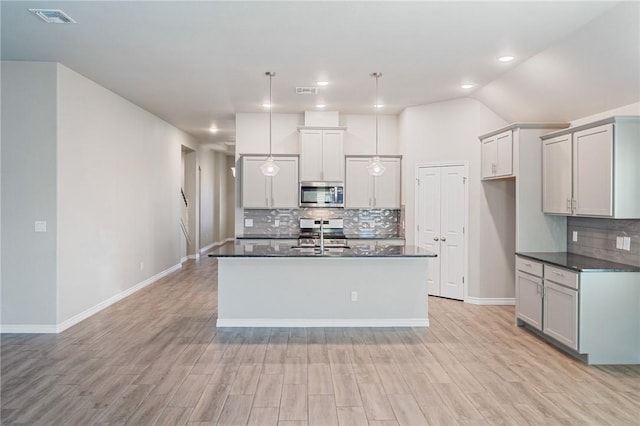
463,229
418,227
418,181
464,180
463,279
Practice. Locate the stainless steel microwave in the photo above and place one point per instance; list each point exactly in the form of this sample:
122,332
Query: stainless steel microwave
321,194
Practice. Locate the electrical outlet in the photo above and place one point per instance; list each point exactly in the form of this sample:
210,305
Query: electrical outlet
354,296
619,243
626,244
248,223
40,226
575,236
276,223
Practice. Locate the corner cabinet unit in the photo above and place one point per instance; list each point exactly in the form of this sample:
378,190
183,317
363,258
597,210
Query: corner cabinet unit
363,191
264,192
497,156
592,314
321,154
592,170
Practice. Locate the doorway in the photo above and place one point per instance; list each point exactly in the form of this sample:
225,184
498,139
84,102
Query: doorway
441,224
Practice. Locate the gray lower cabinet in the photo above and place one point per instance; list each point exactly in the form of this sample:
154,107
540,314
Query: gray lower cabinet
547,300
594,314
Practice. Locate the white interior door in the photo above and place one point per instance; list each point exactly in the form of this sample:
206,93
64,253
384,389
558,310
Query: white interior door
440,219
452,210
428,222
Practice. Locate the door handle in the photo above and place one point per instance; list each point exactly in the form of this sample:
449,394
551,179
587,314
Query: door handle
443,239
436,239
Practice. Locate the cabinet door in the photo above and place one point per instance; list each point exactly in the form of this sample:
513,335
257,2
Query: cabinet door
489,157
428,222
561,314
529,299
504,154
387,187
358,184
452,208
254,184
311,155
556,175
332,156
593,171
284,185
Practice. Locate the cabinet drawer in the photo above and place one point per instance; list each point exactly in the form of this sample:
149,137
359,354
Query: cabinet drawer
529,266
561,276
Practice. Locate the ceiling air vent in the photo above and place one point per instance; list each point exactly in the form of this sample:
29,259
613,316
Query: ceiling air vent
53,16
307,90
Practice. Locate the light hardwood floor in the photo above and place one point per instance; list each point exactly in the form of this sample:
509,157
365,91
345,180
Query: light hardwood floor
157,358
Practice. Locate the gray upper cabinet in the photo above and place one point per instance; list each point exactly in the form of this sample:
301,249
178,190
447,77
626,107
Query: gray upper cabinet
592,170
497,156
321,155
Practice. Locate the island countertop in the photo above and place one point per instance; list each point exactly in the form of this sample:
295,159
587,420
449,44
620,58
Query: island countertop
276,248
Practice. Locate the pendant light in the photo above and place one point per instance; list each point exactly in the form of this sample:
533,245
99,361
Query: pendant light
270,168
375,167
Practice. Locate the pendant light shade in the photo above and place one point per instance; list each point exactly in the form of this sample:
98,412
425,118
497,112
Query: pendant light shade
375,166
269,167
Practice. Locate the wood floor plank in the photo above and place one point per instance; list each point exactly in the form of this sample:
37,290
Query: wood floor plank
210,405
352,416
263,416
293,404
269,390
236,410
322,410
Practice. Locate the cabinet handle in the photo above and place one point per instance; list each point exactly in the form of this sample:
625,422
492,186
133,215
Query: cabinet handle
375,202
443,239
266,202
558,274
568,204
574,204
528,265
436,239
493,168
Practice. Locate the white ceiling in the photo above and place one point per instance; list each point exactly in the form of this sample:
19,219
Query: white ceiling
197,64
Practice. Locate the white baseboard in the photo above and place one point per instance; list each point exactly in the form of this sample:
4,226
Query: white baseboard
36,328
184,259
298,322
193,256
490,301
215,244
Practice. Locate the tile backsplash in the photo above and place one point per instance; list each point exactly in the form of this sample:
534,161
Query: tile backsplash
597,238
375,222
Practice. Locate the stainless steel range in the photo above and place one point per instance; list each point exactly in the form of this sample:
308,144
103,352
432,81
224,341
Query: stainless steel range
327,233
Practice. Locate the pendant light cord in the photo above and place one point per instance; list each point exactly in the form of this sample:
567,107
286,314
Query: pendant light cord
376,106
270,74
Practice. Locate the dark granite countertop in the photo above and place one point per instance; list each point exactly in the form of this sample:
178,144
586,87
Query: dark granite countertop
579,263
373,237
267,237
274,248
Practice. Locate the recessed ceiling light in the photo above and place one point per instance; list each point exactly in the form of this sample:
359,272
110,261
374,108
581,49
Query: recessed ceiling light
322,83
53,16
321,106
213,129
266,105
505,58
378,106
466,86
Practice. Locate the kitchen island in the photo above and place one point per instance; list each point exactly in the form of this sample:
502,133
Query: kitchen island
273,283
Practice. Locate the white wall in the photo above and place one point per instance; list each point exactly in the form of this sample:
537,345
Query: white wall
104,174
447,132
216,197
119,174
28,193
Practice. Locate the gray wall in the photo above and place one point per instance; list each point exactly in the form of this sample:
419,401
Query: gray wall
28,193
597,238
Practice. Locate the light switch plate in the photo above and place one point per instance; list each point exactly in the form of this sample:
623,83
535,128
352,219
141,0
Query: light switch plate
619,243
40,226
575,236
626,244
248,223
